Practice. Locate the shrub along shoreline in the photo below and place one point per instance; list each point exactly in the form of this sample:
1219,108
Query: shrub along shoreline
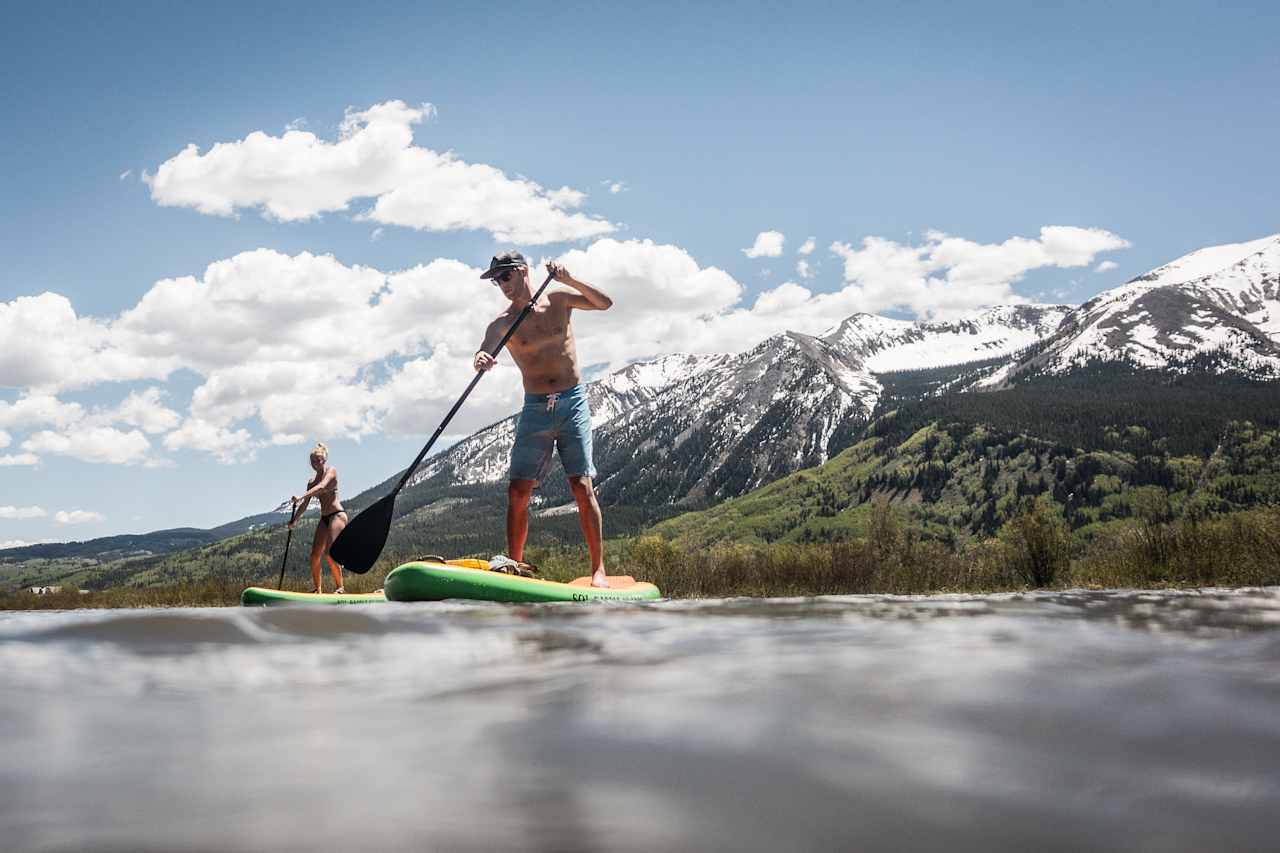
1034,551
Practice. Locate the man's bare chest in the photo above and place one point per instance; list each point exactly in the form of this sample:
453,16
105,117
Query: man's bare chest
543,327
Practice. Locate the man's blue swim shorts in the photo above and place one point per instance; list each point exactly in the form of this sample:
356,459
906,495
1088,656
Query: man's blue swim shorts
553,422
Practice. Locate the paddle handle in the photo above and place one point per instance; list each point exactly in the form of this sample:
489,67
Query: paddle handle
472,384
288,540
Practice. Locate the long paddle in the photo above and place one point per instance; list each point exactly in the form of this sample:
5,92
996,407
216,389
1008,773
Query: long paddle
357,547
287,541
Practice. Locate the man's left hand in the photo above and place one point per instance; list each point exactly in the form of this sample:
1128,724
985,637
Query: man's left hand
558,272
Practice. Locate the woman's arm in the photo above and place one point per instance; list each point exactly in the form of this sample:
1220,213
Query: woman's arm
301,501
298,509
321,485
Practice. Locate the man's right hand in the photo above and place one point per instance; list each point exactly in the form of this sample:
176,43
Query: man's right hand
483,361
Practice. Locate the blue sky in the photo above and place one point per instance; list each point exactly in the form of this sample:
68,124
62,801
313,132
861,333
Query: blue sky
1153,125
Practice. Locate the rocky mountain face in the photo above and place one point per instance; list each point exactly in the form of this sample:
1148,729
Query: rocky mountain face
788,403
1216,308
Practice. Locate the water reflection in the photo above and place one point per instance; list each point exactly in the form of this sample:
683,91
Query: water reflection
1048,721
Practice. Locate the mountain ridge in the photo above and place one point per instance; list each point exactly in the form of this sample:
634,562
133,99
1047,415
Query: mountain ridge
1222,301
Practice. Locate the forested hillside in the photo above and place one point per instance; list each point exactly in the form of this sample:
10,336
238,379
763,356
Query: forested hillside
1102,447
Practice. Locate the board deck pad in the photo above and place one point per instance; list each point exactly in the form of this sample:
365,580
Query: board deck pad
471,580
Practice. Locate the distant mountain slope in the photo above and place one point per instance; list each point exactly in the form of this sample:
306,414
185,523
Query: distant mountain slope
106,549
1216,309
113,547
962,478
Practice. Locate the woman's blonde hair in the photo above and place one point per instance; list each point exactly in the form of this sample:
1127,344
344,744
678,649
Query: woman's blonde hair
321,450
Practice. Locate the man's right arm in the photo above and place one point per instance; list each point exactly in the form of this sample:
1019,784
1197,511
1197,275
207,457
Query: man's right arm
483,360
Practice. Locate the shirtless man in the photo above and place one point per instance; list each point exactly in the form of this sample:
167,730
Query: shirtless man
555,414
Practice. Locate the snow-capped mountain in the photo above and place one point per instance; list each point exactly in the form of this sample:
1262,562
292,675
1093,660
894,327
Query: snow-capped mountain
786,404
1222,301
882,344
686,428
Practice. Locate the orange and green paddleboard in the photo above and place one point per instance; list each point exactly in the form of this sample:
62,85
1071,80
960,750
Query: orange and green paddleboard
472,580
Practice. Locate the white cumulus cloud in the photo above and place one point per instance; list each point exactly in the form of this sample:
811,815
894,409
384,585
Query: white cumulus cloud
78,516
768,244
88,436
948,275
13,459
141,409
22,512
807,247
39,410
803,269
1106,266
19,543
663,299
61,350
102,445
299,176
228,445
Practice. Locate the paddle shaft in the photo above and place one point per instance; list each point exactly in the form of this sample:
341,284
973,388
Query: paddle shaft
502,343
288,540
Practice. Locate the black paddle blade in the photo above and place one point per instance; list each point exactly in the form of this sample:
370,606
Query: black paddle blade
358,545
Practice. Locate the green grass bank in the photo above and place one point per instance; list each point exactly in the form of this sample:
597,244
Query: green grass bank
1035,550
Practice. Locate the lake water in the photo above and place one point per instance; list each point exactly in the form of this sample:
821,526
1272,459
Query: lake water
1123,721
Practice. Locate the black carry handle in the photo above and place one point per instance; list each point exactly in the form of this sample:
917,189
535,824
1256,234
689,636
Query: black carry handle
357,547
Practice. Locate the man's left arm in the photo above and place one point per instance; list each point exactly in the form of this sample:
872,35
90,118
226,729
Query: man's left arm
588,297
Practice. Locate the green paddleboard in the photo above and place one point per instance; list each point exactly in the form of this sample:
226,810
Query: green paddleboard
431,581
257,596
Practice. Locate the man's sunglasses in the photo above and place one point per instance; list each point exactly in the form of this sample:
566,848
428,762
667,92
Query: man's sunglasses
503,277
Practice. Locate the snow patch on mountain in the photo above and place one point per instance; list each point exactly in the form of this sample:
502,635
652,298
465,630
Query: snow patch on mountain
882,344
1205,262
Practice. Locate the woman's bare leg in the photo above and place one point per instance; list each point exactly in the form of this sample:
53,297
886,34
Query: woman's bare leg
318,546
336,523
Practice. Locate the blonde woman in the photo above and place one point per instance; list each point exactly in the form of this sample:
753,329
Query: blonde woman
332,516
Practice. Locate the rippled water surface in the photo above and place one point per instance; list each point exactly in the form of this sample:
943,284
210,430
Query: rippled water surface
1070,721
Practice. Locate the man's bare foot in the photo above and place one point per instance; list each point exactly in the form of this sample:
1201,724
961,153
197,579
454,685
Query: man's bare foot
598,578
